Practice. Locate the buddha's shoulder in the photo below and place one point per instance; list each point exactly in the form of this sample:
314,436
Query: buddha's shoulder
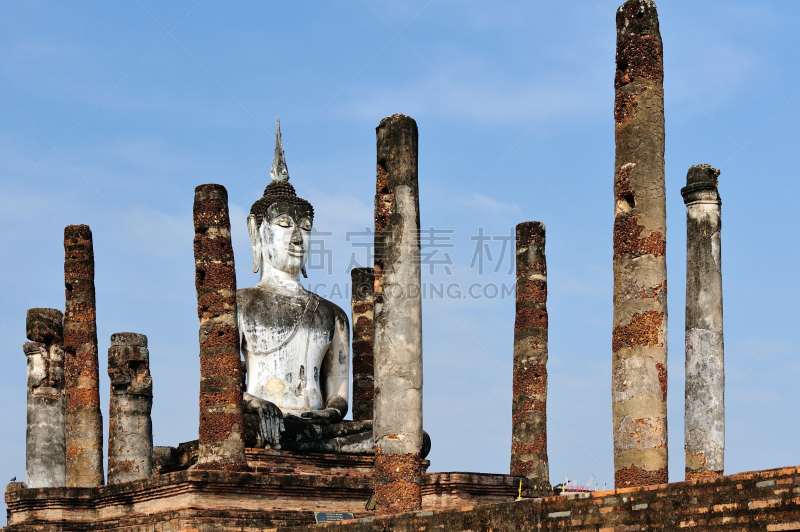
248,296
332,309
256,296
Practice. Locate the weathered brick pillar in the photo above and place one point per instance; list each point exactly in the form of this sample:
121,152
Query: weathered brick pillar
45,442
397,427
221,420
705,361
529,403
84,422
130,438
363,280
639,345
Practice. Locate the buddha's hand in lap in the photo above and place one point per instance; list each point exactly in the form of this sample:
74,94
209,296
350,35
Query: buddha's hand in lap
328,416
270,416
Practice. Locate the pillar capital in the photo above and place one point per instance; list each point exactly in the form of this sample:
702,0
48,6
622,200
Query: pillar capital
701,185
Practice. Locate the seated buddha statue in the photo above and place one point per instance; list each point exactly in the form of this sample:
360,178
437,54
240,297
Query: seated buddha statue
295,344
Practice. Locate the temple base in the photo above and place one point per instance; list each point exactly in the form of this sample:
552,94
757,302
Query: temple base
284,489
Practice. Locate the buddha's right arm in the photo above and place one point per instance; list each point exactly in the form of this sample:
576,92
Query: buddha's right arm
338,376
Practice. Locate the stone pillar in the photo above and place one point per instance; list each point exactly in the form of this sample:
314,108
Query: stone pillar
45,445
639,340
529,403
397,427
130,435
363,280
705,361
221,420
84,422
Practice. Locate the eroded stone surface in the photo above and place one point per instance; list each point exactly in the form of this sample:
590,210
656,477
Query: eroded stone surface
130,438
221,423
398,314
639,338
704,420
84,421
529,394
362,303
45,442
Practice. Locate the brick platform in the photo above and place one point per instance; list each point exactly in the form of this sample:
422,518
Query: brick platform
284,489
202,499
764,500
285,500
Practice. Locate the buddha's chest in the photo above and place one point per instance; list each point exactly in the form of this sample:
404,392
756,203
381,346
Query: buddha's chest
285,333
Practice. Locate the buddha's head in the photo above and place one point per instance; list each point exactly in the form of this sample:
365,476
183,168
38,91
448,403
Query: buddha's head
280,222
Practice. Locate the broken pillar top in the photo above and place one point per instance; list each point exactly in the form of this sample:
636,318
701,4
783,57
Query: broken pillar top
531,232
44,325
210,207
398,139
129,364
637,17
362,276
78,231
363,280
639,48
701,179
128,338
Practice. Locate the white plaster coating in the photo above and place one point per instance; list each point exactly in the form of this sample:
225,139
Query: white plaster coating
634,376
397,425
45,455
130,438
705,406
704,417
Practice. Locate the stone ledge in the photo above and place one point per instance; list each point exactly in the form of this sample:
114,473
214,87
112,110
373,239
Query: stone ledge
236,501
270,460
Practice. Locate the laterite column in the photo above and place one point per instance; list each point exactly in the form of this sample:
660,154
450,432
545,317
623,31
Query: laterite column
397,427
639,340
84,422
221,420
529,403
705,359
45,442
363,280
130,438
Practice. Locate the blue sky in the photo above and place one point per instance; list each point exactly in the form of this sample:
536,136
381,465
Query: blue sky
111,114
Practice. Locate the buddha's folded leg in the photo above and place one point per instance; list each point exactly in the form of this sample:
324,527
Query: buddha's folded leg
299,431
359,443
346,437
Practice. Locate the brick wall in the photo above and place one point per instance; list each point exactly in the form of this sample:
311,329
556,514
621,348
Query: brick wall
203,501
764,500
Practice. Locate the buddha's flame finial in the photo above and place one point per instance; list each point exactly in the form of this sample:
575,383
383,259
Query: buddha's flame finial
279,171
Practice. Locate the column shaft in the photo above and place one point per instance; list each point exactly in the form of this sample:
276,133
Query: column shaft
221,420
45,449
130,438
704,421
397,426
639,339
84,421
363,280
529,403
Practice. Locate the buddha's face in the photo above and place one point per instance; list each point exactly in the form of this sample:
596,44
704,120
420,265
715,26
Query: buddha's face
284,236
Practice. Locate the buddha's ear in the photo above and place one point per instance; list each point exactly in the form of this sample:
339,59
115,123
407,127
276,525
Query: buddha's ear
255,242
